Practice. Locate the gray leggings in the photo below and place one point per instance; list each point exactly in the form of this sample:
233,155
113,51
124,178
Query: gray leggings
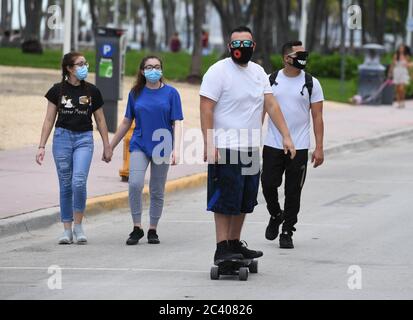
138,164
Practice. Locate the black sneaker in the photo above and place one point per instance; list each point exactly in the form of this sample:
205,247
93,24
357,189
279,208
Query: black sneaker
135,236
153,237
237,246
223,252
286,240
271,233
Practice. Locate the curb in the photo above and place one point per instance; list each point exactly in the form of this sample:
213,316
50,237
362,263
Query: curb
46,217
373,142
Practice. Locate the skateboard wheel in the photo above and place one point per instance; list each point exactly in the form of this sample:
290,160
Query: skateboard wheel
243,274
253,267
214,273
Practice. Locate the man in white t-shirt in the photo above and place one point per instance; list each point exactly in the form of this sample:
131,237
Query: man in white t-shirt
234,94
299,95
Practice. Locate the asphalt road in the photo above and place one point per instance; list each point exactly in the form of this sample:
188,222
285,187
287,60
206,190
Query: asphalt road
354,240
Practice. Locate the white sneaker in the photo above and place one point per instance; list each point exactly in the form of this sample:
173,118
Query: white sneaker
79,234
67,237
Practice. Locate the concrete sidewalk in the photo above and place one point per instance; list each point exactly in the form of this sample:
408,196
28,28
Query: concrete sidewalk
26,187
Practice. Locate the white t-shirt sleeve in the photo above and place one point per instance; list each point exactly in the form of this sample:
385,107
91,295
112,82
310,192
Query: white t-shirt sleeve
317,95
265,81
212,85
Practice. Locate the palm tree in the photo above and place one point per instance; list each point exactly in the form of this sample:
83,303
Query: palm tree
196,64
151,36
168,10
31,35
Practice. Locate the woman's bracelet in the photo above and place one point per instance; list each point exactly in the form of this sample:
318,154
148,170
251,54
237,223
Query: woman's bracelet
42,147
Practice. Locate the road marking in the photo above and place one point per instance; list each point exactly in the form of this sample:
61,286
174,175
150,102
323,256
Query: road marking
339,226
106,269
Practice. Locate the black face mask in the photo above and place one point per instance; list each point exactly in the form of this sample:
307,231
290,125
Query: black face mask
242,55
300,61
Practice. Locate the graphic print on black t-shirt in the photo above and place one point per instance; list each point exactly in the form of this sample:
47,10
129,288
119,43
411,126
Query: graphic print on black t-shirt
77,104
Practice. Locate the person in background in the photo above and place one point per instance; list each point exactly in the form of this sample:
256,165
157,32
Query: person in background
205,43
175,43
399,71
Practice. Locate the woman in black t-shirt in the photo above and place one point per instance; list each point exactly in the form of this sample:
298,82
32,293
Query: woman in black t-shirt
73,101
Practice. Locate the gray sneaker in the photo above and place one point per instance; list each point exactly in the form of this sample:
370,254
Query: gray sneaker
79,234
67,237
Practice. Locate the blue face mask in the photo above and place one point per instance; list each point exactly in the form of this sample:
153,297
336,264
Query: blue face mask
153,76
81,73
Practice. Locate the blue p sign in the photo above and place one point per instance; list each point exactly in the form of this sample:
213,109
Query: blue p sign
107,50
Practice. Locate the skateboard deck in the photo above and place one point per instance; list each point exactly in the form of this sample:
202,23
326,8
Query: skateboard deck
236,267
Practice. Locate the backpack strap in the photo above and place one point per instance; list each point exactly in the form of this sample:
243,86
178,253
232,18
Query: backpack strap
309,85
273,78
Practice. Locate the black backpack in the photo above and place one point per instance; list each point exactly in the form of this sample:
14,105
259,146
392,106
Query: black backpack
308,82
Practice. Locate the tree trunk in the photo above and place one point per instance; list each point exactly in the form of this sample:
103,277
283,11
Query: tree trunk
381,26
326,30
231,15
151,36
47,32
263,34
196,64
5,40
363,22
342,46
11,15
371,20
313,36
188,24
33,11
92,8
281,14
168,10
20,17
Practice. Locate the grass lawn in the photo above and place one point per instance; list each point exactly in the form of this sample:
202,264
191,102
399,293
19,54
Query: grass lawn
176,67
334,92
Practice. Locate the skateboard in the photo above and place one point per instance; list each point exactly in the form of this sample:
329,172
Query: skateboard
236,267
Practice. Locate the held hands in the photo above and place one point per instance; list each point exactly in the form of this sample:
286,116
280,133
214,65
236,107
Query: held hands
107,153
289,147
317,157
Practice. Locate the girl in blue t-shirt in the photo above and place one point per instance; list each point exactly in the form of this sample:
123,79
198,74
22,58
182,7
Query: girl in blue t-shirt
157,111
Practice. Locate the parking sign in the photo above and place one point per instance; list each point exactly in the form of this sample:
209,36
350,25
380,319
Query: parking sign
106,50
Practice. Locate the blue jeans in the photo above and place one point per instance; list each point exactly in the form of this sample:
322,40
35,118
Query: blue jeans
72,153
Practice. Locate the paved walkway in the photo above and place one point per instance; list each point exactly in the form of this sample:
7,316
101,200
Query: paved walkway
26,187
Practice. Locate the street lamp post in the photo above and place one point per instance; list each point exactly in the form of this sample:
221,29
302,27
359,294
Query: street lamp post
116,14
304,20
409,24
76,25
67,27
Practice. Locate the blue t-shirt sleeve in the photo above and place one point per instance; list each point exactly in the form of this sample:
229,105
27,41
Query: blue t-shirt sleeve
176,106
130,108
